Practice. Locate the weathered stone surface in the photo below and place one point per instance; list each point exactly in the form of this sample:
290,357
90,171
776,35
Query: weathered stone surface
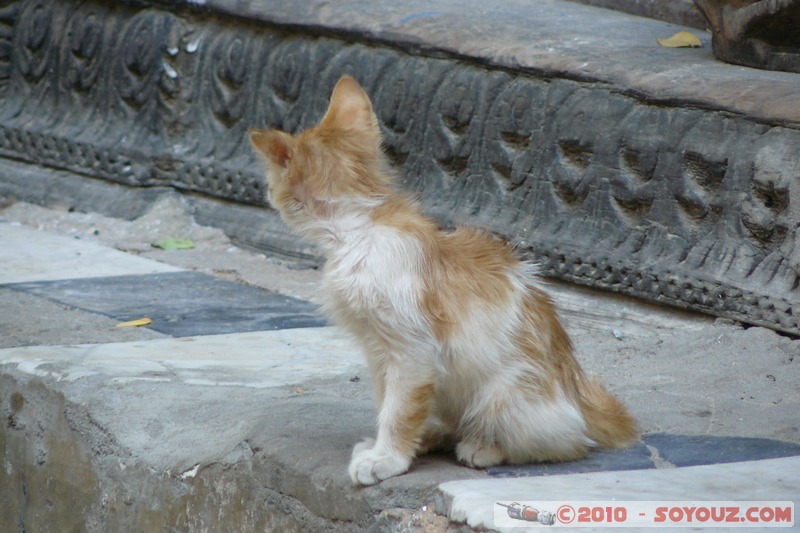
683,12
181,304
261,459
695,450
72,476
662,451
624,166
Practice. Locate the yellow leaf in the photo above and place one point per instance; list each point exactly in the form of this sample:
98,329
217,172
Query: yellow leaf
135,323
682,39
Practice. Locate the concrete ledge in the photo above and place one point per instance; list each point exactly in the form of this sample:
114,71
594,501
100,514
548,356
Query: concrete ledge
177,440
620,164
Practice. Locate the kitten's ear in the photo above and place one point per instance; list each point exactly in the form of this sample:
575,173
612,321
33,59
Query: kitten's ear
350,107
274,145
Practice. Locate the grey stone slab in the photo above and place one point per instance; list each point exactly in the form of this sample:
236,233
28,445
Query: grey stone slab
637,457
181,304
681,12
161,452
473,502
252,226
559,39
29,320
30,255
693,450
251,360
661,450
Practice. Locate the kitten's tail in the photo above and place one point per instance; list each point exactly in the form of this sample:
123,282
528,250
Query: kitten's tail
608,422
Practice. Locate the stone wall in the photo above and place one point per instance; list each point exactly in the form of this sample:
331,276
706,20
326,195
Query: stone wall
667,201
62,471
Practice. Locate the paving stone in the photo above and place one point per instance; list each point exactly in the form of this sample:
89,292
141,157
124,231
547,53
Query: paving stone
677,450
29,320
181,304
473,501
692,450
634,458
250,360
30,255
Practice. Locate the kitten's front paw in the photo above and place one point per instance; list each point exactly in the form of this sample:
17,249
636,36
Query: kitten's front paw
370,466
477,455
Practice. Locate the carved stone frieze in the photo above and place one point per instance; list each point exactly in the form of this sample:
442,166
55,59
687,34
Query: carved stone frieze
674,204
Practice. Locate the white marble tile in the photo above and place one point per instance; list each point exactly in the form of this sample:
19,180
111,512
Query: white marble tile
27,254
473,501
256,359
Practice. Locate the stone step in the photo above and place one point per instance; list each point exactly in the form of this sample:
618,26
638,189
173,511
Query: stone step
162,428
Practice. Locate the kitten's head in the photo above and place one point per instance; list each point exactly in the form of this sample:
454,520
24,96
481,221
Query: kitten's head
335,163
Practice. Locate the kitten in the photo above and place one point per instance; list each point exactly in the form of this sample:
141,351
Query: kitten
460,340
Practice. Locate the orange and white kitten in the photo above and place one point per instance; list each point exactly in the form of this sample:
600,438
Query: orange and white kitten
461,342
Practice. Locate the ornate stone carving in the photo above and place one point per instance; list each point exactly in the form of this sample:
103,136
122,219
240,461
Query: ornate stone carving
672,204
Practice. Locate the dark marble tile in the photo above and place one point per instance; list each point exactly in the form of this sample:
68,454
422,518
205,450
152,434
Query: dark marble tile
181,304
692,450
680,450
637,457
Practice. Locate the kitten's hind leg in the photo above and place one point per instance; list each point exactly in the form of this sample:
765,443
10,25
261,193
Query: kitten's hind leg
400,423
436,435
478,455
523,428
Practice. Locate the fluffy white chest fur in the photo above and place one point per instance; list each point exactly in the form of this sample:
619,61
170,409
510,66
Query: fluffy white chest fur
374,271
